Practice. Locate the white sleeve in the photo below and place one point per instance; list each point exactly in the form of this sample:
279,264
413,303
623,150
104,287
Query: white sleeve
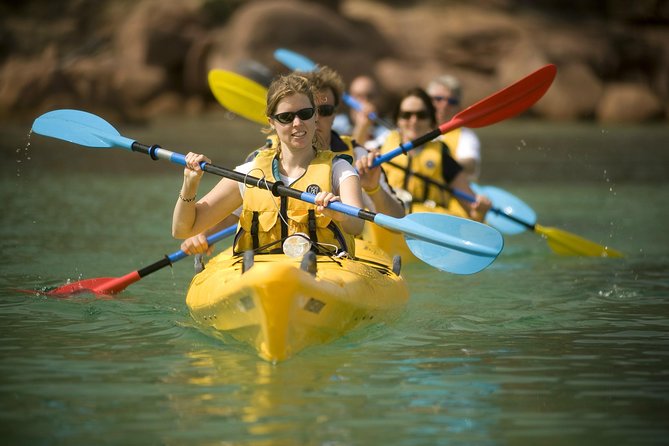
469,146
245,169
341,169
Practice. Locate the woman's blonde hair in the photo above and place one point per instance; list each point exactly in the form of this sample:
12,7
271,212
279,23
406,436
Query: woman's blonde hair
284,86
287,85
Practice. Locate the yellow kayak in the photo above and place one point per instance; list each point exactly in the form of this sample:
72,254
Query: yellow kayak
280,306
393,242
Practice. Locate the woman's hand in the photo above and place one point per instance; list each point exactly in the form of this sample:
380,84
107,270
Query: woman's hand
322,199
480,207
196,245
369,176
193,170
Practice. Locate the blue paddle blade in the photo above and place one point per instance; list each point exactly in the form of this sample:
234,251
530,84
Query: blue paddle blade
294,61
452,244
485,243
506,203
79,127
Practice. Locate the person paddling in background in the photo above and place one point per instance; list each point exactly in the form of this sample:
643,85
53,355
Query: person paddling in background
357,124
446,94
266,220
415,116
378,196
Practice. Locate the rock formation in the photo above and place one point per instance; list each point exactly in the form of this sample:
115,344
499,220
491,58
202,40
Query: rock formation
138,59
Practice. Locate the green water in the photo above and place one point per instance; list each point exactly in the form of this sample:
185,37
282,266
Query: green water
536,349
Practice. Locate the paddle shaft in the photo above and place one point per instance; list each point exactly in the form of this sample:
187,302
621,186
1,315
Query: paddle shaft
403,225
277,188
501,105
405,147
178,255
460,194
118,284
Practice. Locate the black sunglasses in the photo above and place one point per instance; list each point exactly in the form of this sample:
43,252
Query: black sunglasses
451,101
326,110
421,114
288,117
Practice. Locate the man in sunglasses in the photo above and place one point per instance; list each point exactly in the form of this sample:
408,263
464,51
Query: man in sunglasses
446,94
356,123
378,196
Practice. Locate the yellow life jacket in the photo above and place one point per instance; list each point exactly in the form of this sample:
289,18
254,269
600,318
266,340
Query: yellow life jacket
426,161
267,220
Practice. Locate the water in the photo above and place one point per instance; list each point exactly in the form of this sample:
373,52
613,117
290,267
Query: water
536,349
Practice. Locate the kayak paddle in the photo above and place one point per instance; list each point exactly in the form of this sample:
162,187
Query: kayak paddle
504,104
515,217
239,94
443,241
298,62
113,285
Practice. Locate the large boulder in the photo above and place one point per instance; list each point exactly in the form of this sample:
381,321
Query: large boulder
26,83
628,102
574,94
257,29
151,48
151,56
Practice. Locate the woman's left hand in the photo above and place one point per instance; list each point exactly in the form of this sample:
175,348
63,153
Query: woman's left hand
322,199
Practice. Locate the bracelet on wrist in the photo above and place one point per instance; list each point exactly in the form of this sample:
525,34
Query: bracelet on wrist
187,200
373,190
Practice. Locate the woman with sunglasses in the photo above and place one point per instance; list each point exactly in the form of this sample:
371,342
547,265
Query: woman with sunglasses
446,94
265,220
415,116
378,196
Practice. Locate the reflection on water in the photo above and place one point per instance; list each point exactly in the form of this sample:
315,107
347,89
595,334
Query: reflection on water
536,349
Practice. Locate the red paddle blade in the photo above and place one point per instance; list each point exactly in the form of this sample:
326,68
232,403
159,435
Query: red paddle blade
506,103
81,286
100,285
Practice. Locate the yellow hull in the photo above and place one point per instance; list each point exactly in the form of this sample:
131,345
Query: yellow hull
393,242
279,309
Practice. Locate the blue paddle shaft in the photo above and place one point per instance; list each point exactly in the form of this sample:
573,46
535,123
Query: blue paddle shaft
405,147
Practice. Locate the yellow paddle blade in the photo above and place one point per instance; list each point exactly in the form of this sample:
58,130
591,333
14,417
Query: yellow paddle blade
239,94
568,244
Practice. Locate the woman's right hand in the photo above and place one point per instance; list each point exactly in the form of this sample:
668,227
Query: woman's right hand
193,170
